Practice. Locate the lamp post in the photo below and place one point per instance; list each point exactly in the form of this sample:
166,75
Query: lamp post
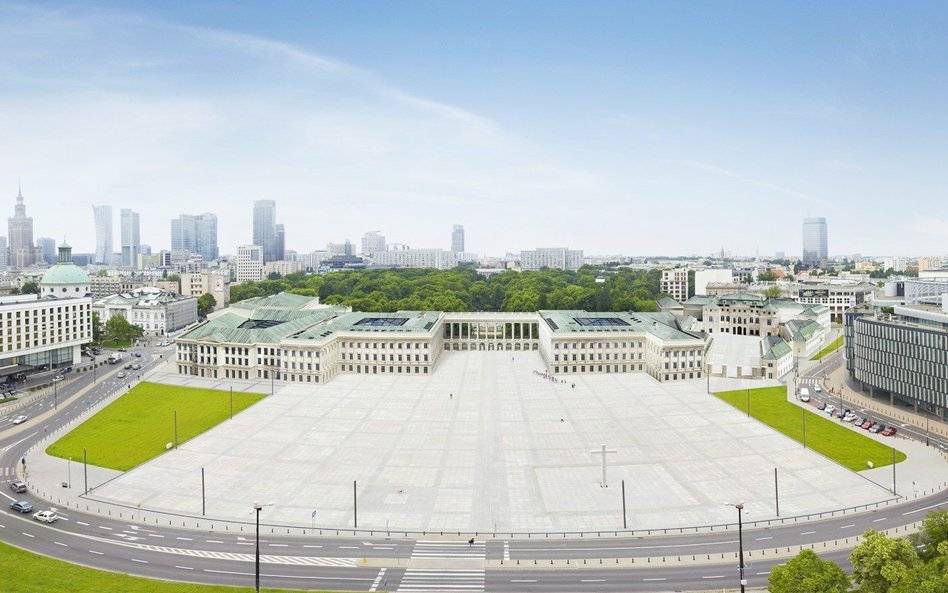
740,539
258,506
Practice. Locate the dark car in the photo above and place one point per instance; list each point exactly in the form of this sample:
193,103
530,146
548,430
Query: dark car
877,428
137,354
21,506
123,350
821,406
18,486
66,370
128,366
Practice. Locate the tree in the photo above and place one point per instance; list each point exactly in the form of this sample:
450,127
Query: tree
807,573
274,276
772,292
118,329
767,277
175,278
934,533
29,288
880,561
96,327
206,303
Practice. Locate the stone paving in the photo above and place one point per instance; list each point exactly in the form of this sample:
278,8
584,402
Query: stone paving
486,444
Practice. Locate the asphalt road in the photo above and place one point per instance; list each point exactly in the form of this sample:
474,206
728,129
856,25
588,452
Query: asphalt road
369,564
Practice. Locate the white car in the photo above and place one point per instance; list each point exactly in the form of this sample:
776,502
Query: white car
817,388
830,409
46,516
20,419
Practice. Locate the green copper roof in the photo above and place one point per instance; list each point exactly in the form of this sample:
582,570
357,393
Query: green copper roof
65,274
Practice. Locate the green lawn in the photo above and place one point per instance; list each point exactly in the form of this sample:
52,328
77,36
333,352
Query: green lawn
136,427
116,343
841,444
25,572
833,346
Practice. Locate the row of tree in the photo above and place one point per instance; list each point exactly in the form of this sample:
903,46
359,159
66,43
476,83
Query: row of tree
464,289
881,564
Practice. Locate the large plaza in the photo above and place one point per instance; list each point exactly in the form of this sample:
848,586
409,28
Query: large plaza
487,443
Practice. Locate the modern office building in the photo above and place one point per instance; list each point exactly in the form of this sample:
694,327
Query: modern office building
154,310
457,239
23,253
196,233
264,228
903,356
36,333
249,263
674,283
279,248
48,247
131,240
103,233
4,255
559,258
295,339
815,250
420,258
373,242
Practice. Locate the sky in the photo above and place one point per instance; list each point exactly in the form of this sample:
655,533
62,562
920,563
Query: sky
637,128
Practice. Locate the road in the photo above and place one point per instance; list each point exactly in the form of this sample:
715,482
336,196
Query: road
648,563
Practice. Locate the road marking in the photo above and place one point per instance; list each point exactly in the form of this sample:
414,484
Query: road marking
762,573
278,545
523,580
717,576
286,576
97,553
81,523
27,534
808,533
340,547
847,526
507,551
378,579
139,561
877,520
104,527
8,496
309,546
61,544
184,567
154,535
923,509
185,539
656,579
214,541
592,580
762,538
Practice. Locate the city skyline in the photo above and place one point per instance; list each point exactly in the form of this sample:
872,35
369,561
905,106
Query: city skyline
612,107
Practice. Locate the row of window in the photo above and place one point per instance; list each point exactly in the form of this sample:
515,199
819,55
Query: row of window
595,345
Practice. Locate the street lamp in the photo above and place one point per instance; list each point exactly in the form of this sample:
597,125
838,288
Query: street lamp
740,538
258,506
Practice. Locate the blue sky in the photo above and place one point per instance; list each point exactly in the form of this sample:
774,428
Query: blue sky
640,128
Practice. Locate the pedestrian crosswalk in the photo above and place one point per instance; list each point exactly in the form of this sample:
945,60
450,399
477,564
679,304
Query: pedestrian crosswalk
8,471
447,581
448,549
442,579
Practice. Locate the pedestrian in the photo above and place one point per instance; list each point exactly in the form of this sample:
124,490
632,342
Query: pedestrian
452,396
470,543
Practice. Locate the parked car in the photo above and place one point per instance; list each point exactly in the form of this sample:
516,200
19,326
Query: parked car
858,420
21,506
136,367
123,349
868,424
20,419
46,516
829,409
57,378
877,428
888,432
849,417
821,406
66,370
121,375
18,486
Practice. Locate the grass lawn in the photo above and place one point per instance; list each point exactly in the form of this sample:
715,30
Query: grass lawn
826,436
833,346
135,427
113,344
25,572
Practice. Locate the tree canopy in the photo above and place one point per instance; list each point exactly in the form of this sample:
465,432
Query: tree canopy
118,329
205,304
807,573
464,289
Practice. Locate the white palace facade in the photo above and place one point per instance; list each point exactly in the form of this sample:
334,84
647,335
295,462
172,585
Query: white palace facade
296,339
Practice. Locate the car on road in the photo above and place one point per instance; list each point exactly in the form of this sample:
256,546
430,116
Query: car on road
21,506
858,420
58,378
18,486
817,388
128,366
888,432
136,367
821,406
121,375
829,409
804,394
123,350
868,424
849,417
137,354
66,370
20,419
877,428
46,516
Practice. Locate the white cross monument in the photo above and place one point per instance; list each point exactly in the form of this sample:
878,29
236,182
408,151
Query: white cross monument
603,452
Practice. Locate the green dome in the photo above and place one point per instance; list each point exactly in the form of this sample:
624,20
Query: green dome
65,274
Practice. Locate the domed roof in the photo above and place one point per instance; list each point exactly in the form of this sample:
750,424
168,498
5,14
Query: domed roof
65,274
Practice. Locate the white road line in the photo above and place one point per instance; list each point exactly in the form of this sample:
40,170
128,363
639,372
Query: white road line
523,580
278,545
8,496
762,538
507,551
286,576
923,509
348,547
656,579
309,546
808,533
877,520
213,541
184,567
185,539
27,534
378,579
592,580
848,526
104,527
717,576
81,523
61,544
97,553
154,535
139,561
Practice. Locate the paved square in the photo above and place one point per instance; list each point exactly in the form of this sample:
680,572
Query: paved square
508,450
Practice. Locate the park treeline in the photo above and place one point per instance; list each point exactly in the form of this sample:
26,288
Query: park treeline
464,289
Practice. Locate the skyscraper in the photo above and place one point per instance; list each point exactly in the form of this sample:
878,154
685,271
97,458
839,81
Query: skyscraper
131,241
103,233
373,242
4,254
815,252
264,228
20,235
279,250
197,233
457,238
49,249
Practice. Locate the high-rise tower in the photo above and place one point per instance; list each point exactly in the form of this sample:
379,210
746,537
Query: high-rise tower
103,233
264,228
815,252
457,238
131,241
20,226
